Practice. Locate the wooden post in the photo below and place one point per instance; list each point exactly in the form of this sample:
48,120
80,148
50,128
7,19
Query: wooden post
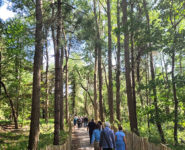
163,147
136,142
129,138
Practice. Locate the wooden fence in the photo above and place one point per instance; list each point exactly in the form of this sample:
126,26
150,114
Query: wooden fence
135,142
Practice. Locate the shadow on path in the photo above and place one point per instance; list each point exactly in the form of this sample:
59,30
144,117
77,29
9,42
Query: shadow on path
80,139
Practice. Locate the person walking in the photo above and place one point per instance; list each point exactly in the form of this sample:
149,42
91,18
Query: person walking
75,121
85,121
100,123
96,137
120,139
107,139
91,126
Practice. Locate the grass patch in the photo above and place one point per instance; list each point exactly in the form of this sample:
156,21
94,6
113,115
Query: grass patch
18,139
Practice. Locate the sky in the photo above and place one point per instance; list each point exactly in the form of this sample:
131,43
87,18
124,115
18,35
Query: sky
4,12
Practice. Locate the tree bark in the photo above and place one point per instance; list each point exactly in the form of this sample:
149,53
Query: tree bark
73,93
86,109
98,44
18,85
175,99
61,92
35,113
110,89
174,24
66,69
95,85
57,77
167,85
131,104
96,66
46,81
132,58
118,100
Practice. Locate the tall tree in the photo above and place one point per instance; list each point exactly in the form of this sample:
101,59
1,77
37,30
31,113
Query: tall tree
157,119
95,65
66,69
35,113
118,100
73,83
57,76
98,45
110,88
95,83
132,55
131,104
61,92
46,81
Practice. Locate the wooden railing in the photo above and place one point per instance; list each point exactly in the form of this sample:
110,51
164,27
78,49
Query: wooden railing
135,142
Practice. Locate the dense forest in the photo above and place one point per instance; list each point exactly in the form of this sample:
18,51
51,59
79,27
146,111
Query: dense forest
116,60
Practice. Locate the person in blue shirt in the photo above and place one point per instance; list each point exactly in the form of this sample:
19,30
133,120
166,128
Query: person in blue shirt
107,138
120,139
75,120
96,137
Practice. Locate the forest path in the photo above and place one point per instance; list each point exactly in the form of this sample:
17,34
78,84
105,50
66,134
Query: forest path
80,139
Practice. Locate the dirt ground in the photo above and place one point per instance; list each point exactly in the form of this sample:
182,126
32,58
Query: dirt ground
80,139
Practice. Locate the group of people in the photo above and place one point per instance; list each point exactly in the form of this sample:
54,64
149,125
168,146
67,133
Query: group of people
104,137
79,120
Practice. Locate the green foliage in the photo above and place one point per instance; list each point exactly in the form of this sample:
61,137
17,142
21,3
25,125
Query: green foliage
18,139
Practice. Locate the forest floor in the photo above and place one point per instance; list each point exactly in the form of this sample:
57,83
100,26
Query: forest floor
80,139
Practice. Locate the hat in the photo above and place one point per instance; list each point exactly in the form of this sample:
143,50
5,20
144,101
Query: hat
107,124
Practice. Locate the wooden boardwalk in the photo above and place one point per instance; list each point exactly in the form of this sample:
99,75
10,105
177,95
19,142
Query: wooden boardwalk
80,139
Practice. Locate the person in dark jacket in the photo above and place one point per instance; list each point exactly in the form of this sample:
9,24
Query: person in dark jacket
91,126
107,138
85,121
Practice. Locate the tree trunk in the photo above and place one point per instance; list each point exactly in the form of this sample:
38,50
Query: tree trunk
61,92
174,26
118,64
157,119
95,85
18,85
97,67
175,100
131,104
110,89
73,93
106,82
167,85
86,97
35,113
98,45
66,87
147,92
138,60
11,105
132,59
57,77
46,82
